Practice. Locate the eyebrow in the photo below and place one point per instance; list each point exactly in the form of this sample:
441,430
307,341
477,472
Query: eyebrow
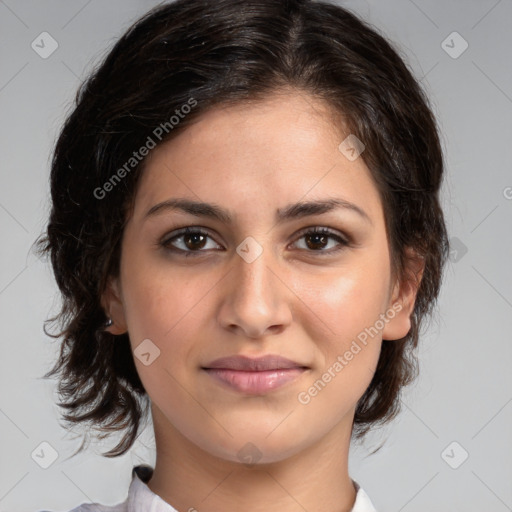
289,212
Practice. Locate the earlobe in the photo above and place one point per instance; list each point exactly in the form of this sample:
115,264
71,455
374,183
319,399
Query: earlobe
114,309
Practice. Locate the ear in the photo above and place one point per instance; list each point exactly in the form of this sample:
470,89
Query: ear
112,302
404,297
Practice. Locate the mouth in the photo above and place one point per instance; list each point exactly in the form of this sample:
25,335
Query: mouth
245,363
254,375
254,382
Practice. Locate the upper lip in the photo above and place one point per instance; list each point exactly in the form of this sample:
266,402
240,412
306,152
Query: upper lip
244,363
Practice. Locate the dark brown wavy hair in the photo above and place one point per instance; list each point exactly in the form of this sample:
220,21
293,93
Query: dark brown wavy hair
222,52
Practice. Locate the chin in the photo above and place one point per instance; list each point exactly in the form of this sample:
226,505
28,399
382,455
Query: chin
256,449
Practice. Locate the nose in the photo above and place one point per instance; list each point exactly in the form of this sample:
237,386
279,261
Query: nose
255,299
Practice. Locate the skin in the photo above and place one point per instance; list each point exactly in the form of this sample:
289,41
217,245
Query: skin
293,300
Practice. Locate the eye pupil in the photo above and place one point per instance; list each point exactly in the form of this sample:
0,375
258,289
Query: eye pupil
195,237
319,239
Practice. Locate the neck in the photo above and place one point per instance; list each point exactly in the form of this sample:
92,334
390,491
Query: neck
191,479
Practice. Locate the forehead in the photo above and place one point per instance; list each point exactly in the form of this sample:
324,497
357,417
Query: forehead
251,157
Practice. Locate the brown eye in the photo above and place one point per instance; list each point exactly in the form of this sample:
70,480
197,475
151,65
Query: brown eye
194,240
188,241
318,239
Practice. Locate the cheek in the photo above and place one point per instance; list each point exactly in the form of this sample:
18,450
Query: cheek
343,302
166,309
167,305
345,309
158,294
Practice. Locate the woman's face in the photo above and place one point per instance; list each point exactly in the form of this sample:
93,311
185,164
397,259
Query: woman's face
258,283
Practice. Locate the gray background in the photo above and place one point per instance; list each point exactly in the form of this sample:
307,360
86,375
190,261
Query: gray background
464,392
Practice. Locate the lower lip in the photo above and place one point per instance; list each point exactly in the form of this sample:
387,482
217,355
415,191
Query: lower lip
255,382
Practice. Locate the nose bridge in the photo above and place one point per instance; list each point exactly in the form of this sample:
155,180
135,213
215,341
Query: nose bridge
253,275
256,301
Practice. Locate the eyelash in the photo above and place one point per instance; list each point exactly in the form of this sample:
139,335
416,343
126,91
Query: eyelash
308,231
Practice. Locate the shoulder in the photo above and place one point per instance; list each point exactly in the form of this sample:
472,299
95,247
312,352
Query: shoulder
97,507
140,474
363,502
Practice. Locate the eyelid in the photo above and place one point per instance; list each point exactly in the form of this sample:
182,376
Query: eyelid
175,233
316,228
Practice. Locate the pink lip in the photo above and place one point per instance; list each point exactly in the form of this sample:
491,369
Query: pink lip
267,362
255,382
254,375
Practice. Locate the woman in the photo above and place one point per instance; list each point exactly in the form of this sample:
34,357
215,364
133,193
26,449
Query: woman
247,234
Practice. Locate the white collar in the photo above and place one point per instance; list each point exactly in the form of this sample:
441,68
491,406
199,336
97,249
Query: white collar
142,498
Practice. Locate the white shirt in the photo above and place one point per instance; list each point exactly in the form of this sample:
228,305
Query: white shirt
142,499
